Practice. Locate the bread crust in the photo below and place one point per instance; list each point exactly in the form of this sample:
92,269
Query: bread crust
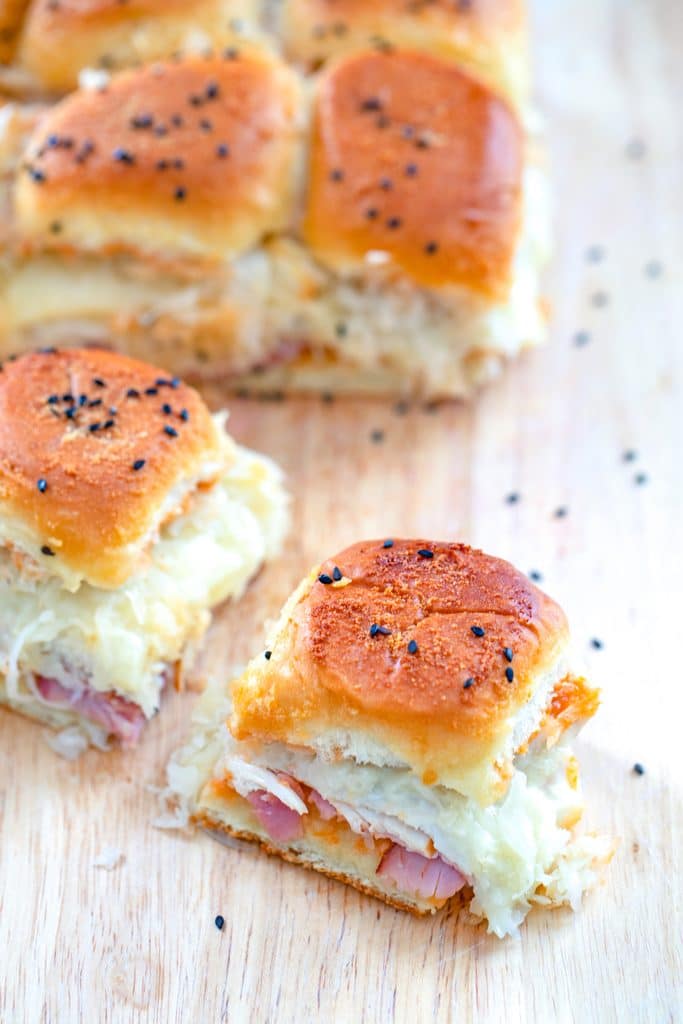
488,36
205,820
194,157
431,177
71,435
59,39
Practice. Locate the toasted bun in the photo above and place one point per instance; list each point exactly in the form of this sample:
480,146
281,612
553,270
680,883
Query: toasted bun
415,159
488,36
194,157
62,38
447,708
71,497
11,14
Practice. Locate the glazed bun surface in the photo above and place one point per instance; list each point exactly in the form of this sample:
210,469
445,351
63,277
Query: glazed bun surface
97,451
417,165
194,158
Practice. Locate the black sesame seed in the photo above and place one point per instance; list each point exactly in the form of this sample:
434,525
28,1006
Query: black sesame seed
113,410
478,631
640,479
324,578
425,553
596,644
509,674
512,498
561,512
171,431
376,436
267,655
336,574
180,193
206,125
82,399
411,170
162,165
166,408
151,391
431,248
386,184
211,91
581,338
123,156
630,455
341,330
56,227
468,682
37,176
412,647
108,424
184,415
388,544
336,175
222,150
422,144
638,768
219,922
507,653
98,382
68,397
70,413
42,485
138,464
132,393
372,213
371,104
407,131
45,550
535,575
393,223
174,382
53,400
176,121
374,629
142,121
94,427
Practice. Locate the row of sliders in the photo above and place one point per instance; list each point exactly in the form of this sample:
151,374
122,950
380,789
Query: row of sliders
46,44
409,727
378,227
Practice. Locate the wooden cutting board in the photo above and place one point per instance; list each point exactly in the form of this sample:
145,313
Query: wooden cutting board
138,943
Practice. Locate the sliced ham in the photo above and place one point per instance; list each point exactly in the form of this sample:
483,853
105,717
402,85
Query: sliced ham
280,822
120,717
323,806
426,877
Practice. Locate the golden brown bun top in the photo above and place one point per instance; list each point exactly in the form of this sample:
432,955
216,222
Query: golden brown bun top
488,36
414,653
61,37
91,446
191,156
11,14
414,158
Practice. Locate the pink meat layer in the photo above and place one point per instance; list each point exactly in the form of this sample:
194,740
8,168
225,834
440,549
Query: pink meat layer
280,822
120,717
425,877
413,874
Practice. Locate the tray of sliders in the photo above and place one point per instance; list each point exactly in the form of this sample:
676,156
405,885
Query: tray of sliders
309,455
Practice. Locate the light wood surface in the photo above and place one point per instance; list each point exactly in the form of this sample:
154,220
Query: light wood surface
79,943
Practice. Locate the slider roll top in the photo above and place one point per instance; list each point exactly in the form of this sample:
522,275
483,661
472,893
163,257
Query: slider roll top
126,513
408,732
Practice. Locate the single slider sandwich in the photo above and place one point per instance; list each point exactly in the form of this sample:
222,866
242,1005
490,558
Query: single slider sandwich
407,731
126,513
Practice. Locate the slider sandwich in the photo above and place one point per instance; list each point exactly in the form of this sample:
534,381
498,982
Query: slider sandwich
489,37
126,513
407,731
378,229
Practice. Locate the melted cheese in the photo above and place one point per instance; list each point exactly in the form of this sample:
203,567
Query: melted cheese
123,639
